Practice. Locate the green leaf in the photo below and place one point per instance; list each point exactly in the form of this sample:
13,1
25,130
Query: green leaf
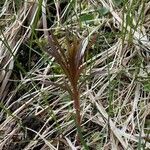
147,87
86,17
103,11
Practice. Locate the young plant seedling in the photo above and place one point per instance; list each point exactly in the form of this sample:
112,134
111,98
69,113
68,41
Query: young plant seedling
71,62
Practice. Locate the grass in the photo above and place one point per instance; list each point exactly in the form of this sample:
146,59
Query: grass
74,75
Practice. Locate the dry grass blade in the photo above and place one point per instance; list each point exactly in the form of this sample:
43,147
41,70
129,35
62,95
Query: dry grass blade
46,141
112,125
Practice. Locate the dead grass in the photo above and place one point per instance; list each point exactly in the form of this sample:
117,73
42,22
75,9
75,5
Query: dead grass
36,109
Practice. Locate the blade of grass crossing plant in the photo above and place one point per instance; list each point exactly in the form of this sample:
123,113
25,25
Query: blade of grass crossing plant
79,130
64,87
80,135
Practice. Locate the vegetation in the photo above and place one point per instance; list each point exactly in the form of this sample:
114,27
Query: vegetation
75,74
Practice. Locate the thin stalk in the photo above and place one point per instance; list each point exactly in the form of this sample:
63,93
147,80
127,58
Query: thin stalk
76,99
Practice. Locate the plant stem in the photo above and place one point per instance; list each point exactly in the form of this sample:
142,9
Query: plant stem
76,99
